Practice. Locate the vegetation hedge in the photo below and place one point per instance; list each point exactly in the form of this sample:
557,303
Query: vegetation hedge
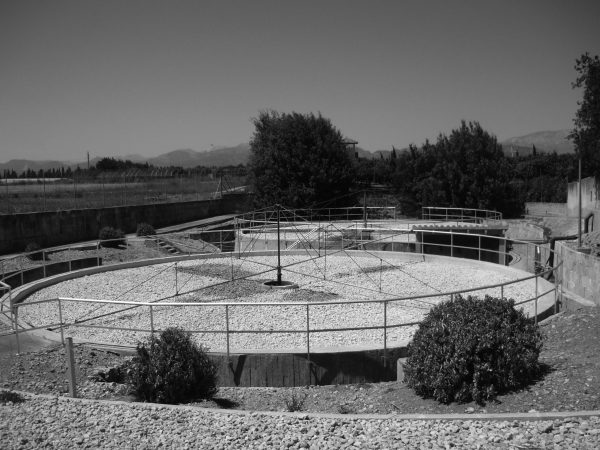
111,237
172,369
470,349
145,229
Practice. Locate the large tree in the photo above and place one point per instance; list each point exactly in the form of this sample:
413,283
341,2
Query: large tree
586,133
299,160
464,169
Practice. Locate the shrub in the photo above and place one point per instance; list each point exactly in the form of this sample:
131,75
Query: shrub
172,369
33,252
295,401
111,237
471,349
145,229
10,396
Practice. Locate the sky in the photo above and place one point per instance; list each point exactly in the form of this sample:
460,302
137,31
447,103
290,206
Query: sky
123,77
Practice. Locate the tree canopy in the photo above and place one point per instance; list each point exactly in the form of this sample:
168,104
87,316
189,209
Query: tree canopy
463,169
299,160
586,132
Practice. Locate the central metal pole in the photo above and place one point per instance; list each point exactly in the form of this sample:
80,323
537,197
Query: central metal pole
579,208
365,208
278,246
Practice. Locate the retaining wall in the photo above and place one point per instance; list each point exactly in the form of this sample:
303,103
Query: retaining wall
49,229
589,197
545,209
525,231
580,273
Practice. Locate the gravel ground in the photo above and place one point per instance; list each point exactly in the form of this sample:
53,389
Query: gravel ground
572,383
356,278
63,423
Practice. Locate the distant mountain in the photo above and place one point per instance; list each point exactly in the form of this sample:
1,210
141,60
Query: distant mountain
22,165
223,156
544,141
186,158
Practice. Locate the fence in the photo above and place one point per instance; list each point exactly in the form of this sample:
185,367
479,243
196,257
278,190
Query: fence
105,190
460,214
304,310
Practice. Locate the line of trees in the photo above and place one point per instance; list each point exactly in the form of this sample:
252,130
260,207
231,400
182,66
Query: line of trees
301,161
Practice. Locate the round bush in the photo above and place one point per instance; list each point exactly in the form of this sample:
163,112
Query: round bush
111,237
172,369
145,229
472,350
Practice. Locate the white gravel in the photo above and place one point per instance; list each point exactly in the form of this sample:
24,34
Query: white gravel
64,423
209,281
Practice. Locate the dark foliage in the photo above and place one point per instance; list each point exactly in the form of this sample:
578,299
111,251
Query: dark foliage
299,161
111,237
472,350
145,229
10,396
586,133
33,252
465,169
172,369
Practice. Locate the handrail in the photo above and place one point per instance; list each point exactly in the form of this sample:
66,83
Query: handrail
448,213
305,328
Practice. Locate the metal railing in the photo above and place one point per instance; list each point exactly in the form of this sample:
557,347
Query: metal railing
304,323
460,214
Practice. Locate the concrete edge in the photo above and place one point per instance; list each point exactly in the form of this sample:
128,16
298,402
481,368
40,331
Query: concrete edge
536,416
573,297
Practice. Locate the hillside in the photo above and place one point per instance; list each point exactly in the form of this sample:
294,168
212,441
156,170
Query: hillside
544,141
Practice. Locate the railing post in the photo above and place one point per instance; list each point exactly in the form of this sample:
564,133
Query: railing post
16,324
151,320
308,342
44,262
60,320
536,299
227,328
380,272
385,351
71,362
176,288
451,244
70,268
479,246
325,255
98,254
502,291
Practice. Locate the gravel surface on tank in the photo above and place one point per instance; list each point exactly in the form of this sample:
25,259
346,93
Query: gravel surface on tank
362,278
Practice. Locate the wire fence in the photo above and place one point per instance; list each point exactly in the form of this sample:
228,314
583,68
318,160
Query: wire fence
112,189
319,243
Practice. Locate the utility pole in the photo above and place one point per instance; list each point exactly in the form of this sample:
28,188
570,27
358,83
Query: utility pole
579,207
278,246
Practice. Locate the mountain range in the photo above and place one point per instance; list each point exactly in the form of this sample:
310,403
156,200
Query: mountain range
544,141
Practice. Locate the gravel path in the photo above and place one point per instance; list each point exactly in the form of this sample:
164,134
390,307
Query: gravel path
356,278
64,423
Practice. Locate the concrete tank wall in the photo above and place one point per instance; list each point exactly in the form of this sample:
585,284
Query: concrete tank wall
64,227
545,209
580,272
589,197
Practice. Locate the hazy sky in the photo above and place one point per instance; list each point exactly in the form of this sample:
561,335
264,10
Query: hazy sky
118,77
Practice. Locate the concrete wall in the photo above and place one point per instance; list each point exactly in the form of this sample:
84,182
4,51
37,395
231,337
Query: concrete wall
19,278
580,273
589,197
294,369
64,227
545,209
524,231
